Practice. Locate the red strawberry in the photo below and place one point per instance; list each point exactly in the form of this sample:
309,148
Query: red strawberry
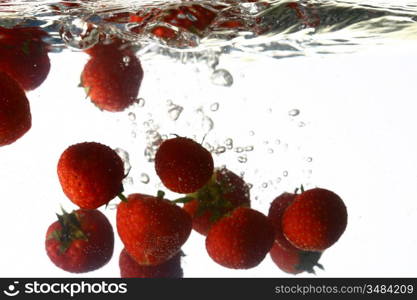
24,55
152,229
90,174
241,240
315,220
276,211
294,261
81,241
224,192
129,268
15,117
183,165
112,77
287,257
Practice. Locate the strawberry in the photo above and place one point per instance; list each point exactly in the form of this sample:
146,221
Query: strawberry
24,55
224,192
90,174
287,257
294,261
81,241
129,268
15,117
152,229
240,240
315,220
112,77
276,210
183,165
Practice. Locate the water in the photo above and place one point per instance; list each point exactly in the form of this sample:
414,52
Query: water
318,93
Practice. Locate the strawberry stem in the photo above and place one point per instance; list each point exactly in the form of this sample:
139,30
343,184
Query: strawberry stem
122,197
160,194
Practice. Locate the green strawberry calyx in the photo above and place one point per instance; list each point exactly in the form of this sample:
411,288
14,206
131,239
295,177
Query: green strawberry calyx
70,230
211,198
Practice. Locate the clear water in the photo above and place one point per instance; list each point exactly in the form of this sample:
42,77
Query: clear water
319,93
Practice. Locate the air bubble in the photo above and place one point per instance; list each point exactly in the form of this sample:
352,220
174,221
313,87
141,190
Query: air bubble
214,106
132,116
144,178
294,112
301,124
128,180
265,185
124,155
249,148
175,111
242,159
285,173
229,143
239,149
270,150
78,34
251,133
309,159
140,102
220,150
222,77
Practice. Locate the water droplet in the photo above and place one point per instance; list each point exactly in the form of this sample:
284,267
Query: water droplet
309,159
140,102
214,106
294,112
229,143
144,178
222,77
78,34
126,60
265,185
220,150
285,173
242,159
239,149
175,112
249,148
132,116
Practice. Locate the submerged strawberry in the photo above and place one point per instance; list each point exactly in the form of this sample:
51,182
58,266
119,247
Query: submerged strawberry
15,116
90,174
112,77
129,268
152,229
183,165
315,220
241,240
81,241
224,192
24,55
